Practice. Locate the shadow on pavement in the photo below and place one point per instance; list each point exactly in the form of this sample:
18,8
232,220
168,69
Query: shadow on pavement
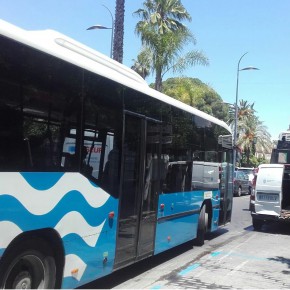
215,234
272,227
283,261
276,228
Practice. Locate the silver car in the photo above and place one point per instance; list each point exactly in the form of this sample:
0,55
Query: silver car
241,183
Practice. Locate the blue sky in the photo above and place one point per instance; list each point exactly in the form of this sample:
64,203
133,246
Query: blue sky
224,30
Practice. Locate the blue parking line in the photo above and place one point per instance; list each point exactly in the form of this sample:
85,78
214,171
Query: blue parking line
156,287
238,255
214,254
188,269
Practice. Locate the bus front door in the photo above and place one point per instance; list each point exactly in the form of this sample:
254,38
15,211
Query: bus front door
226,190
139,187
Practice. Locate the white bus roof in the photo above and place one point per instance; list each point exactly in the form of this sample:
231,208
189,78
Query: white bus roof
63,47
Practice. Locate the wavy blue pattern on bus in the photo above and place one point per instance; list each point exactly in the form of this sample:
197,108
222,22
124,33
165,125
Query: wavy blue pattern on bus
94,256
40,181
73,201
77,209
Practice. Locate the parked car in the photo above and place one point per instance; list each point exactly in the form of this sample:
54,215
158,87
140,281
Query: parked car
251,173
241,183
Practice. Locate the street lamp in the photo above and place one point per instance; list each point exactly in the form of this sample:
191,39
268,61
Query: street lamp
236,106
97,26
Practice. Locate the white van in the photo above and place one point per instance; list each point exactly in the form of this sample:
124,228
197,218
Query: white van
270,199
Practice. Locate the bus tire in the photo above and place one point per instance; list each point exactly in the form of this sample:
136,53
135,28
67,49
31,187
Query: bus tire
29,264
202,227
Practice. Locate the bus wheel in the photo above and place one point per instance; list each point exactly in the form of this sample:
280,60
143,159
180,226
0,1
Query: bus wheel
202,227
28,265
257,224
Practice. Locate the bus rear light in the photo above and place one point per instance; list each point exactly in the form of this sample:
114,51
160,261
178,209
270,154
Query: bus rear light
162,206
111,215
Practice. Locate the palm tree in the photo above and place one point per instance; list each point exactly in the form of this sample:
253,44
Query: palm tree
143,63
245,111
119,31
163,33
263,139
254,137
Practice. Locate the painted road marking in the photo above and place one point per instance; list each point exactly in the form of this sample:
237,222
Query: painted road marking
239,255
188,269
156,287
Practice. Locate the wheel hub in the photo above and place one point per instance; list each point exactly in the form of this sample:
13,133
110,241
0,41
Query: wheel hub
22,281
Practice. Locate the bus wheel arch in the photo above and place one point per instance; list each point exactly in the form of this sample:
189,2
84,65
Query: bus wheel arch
209,211
203,223
33,257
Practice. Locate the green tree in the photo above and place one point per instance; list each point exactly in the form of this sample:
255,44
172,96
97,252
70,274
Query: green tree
143,63
162,31
245,111
196,94
253,135
119,31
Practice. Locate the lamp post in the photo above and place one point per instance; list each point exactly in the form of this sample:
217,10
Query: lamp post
97,26
236,107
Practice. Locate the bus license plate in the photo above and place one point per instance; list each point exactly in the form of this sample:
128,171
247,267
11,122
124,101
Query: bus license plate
267,197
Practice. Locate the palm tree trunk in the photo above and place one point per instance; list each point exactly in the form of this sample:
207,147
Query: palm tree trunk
119,31
248,151
158,79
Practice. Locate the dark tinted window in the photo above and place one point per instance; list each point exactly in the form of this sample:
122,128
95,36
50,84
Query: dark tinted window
102,135
40,103
176,150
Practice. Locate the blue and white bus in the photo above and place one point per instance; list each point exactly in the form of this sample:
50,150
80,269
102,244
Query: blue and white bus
97,170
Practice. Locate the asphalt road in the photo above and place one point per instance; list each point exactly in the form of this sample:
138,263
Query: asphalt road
235,256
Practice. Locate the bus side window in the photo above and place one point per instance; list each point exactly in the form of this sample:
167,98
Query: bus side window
111,172
39,151
69,161
86,169
11,139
